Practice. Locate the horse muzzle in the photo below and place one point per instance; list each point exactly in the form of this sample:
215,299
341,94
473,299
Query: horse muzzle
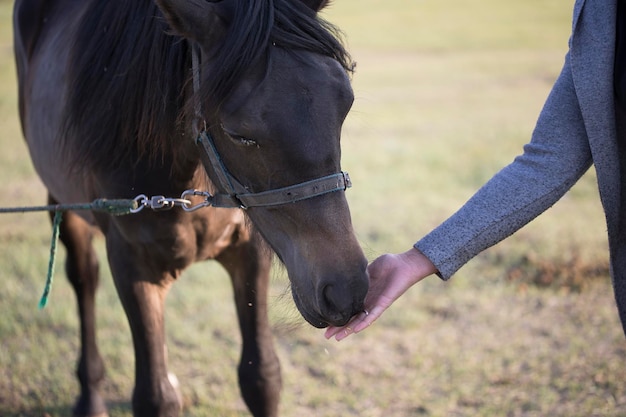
335,301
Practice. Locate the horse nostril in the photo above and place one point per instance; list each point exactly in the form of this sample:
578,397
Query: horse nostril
337,304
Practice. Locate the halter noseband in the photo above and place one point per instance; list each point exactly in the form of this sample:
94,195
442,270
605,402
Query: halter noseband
237,195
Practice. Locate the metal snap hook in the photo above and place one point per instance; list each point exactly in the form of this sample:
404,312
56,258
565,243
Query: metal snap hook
195,193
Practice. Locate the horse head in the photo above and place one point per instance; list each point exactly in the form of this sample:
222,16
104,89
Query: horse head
274,91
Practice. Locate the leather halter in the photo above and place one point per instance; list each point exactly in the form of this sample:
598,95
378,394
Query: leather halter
236,195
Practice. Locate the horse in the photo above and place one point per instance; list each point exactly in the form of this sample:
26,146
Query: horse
240,101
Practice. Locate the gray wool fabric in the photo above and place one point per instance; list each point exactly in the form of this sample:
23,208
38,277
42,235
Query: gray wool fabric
576,128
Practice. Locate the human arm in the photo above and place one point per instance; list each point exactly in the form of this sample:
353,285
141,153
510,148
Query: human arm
557,156
552,162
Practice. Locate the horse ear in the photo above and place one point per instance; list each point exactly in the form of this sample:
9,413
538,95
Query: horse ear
199,20
316,5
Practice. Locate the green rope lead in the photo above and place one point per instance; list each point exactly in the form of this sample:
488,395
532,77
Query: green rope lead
113,207
56,224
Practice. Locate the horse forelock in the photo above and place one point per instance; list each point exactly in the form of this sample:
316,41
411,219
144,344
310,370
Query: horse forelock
259,24
130,74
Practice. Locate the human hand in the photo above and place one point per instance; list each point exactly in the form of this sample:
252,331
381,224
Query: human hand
391,275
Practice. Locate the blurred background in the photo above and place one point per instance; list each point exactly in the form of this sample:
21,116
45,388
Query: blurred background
447,93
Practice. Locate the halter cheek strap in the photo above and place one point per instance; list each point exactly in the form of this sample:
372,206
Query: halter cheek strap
236,195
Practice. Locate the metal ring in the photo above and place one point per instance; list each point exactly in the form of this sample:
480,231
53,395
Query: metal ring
141,201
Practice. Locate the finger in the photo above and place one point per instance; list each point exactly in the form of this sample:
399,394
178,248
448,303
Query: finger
331,331
343,330
365,320
358,323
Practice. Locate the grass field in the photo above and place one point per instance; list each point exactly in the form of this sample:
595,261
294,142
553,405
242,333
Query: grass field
446,94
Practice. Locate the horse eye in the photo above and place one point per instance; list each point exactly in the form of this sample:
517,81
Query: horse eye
245,141
241,140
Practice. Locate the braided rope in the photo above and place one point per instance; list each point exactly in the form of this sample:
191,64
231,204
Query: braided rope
56,225
116,207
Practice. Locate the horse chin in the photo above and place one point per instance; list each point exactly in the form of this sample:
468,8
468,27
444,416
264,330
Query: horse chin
313,319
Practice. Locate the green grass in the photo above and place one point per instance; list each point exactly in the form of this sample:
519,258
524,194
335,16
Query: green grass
446,94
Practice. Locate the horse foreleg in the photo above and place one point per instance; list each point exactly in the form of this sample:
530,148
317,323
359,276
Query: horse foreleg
142,293
259,370
82,271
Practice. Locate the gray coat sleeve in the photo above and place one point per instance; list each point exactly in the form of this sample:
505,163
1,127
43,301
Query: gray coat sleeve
556,157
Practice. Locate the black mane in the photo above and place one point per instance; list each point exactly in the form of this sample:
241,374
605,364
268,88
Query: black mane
256,25
127,57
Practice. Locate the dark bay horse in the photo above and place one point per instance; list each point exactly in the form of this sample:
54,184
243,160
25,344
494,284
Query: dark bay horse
110,106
